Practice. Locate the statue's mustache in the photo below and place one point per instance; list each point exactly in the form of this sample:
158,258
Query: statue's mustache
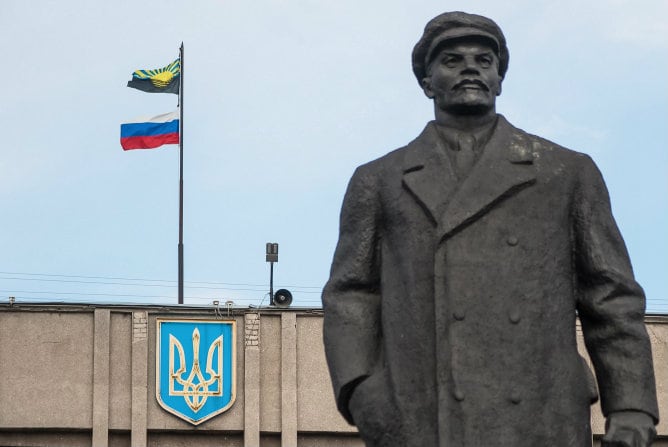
466,82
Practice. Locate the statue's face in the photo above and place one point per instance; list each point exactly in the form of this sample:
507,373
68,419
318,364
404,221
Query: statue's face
463,78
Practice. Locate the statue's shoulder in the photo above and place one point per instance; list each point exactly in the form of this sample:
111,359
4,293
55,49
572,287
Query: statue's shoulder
388,161
545,149
398,160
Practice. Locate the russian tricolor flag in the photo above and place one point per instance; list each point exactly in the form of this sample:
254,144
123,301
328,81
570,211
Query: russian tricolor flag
150,132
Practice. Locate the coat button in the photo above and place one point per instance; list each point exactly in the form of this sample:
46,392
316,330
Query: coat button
458,394
512,241
459,315
514,316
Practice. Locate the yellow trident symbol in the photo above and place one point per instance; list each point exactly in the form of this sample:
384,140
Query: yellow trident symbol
195,387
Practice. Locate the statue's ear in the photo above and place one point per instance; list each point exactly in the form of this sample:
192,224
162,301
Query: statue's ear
426,87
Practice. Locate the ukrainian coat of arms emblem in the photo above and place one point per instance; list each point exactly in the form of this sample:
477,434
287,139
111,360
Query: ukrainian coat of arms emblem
195,367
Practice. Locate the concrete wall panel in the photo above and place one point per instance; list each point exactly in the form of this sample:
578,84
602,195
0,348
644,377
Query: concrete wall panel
46,365
195,439
120,371
270,373
315,397
47,438
324,440
658,335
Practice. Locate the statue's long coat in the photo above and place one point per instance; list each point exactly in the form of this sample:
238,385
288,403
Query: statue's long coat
461,298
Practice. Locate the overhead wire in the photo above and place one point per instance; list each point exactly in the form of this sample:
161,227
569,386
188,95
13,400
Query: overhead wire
35,277
654,304
99,280
140,285
147,279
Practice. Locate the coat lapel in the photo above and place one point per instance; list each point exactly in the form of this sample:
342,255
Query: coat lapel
428,174
505,167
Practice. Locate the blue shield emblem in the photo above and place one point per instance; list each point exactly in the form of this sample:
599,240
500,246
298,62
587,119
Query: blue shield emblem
195,373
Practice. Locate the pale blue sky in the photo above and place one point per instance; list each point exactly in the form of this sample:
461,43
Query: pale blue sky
283,100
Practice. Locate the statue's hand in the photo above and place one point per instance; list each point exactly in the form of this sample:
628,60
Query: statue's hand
374,412
628,429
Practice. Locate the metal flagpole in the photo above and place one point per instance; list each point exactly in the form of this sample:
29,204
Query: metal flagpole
181,178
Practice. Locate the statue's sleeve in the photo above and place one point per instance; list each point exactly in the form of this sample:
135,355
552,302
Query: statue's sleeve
611,304
351,297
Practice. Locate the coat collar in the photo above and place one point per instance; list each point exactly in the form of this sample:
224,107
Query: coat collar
504,167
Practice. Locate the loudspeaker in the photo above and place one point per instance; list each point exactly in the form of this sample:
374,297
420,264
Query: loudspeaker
282,298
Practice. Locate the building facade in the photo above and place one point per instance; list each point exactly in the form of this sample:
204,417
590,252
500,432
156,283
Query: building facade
82,375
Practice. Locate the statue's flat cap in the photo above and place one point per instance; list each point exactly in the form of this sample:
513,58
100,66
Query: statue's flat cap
458,25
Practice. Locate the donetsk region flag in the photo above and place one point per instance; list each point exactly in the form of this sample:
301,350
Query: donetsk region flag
150,132
161,80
